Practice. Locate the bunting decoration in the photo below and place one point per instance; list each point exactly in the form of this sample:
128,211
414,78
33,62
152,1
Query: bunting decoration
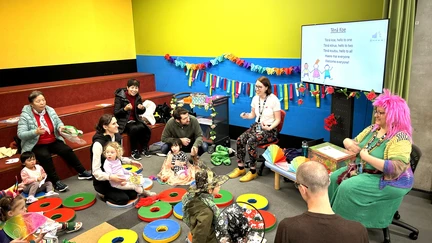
236,60
286,92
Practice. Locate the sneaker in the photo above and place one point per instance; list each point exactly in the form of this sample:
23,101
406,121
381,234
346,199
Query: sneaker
73,226
135,155
31,199
146,153
60,186
85,175
248,177
236,173
51,194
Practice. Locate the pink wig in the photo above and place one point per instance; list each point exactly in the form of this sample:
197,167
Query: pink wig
397,113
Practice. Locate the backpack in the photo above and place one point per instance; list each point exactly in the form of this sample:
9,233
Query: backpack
162,113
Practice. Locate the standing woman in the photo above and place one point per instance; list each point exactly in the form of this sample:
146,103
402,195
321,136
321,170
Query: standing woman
266,111
39,130
127,109
107,131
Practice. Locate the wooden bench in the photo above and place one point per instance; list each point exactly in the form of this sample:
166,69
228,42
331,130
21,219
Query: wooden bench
79,103
280,171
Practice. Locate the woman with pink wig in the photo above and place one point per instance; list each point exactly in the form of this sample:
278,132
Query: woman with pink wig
372,190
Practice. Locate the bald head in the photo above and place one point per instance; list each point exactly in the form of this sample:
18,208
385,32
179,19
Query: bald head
314,175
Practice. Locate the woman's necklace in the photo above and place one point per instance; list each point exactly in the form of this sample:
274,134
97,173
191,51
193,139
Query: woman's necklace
371,147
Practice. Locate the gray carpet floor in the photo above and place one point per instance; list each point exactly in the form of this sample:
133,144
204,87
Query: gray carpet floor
416,208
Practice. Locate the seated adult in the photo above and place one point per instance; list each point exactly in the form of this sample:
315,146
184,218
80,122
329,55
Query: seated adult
107,131
186,128
128,106
319,223
371,190
266,108
39,129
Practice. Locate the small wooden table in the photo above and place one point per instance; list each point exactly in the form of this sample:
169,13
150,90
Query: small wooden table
280,169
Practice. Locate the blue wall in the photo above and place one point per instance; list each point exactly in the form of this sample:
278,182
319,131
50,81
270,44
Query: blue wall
302,121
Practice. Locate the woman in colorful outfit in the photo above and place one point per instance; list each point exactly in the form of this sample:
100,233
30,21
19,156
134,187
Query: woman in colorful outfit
39,129
372,191
266,111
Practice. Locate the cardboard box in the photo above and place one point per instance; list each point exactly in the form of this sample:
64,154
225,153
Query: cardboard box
332,156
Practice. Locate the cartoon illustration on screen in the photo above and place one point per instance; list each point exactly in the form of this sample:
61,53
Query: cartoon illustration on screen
316,74
326,72
306,71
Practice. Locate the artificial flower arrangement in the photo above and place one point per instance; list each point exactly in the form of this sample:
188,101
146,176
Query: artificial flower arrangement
330,121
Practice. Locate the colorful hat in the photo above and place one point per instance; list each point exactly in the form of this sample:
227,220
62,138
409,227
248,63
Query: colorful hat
206,179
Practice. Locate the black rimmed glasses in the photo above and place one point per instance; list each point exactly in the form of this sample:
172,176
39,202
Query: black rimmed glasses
297,185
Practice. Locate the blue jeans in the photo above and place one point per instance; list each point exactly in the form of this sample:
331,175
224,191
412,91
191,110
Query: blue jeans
202,149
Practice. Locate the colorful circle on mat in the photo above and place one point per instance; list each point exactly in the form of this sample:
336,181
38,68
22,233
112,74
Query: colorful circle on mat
161,231
223,198
120,235
80,201
255,219
45,205
61,214
132,168
173,195
178,210
158,210
256,200
147,184
269,220
130,204
38,195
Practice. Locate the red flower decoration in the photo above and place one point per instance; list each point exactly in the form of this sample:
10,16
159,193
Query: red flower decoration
315,92
300,101
329,90
370,95
301,89
329,122
167,56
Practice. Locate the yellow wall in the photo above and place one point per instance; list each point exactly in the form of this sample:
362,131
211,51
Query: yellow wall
247,28
50,32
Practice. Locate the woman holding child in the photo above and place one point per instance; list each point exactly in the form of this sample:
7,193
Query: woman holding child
107,131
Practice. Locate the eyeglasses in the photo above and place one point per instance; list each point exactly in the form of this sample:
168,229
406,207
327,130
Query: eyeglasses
380,113
297,185
259,86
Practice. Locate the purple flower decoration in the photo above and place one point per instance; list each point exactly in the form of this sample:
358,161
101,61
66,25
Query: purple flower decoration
171,60
296,69
207,64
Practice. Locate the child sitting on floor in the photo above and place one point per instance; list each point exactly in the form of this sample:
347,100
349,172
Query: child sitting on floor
112,165
176,170
33,178
14,206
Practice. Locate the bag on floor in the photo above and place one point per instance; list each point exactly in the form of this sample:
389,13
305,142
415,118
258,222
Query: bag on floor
162,113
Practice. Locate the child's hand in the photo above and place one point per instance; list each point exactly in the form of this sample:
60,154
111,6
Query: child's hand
123,183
